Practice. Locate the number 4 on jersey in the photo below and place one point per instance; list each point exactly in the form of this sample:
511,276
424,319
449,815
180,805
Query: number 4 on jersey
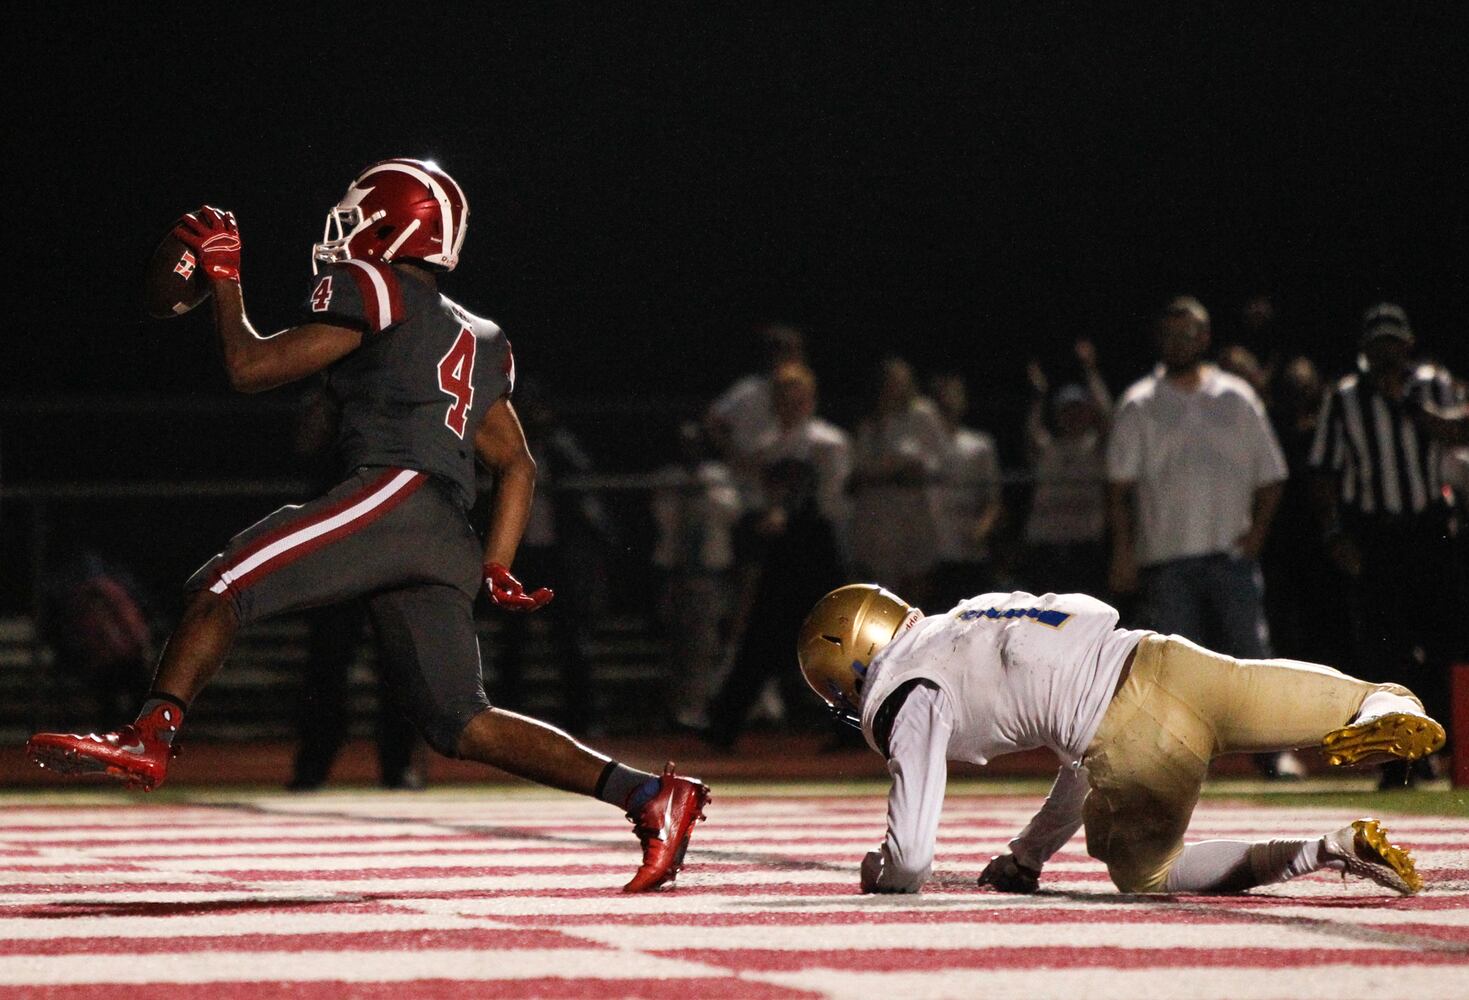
321,295
456,372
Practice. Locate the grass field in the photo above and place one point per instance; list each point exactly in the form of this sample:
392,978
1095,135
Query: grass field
513,892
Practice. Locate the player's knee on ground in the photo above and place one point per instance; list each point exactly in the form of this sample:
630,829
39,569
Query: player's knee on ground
1137,834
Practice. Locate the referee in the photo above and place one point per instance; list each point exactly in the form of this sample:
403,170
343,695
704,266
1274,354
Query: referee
1379,493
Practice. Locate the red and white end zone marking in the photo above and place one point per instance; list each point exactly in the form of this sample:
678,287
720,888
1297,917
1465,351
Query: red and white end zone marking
516,895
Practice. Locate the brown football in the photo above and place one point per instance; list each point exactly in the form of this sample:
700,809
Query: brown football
173,283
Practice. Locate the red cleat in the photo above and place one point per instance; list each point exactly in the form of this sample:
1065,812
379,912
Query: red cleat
663,826
136,754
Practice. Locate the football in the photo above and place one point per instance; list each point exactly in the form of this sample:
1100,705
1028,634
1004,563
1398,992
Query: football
173,282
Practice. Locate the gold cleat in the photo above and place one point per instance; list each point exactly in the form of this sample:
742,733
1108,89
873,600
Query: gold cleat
1394,736
1366,852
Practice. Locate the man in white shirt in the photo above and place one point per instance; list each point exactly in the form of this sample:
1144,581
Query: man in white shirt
1195,475
1133,716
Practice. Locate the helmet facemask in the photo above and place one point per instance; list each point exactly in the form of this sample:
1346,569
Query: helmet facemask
343,223
841,705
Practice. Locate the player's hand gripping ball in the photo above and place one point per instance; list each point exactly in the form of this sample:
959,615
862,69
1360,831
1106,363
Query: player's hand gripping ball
509,593
202,246
1008,875
213,236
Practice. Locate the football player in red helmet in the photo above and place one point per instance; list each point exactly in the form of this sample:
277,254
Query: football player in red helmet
397,209
423,388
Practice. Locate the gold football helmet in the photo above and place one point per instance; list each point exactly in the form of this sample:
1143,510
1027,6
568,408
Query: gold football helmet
840,637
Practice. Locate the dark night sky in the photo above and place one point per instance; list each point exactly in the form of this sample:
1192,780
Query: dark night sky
963,185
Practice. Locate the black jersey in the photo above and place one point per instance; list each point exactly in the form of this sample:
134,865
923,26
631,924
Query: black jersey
413,394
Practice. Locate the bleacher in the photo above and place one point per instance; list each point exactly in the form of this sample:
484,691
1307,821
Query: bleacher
256,694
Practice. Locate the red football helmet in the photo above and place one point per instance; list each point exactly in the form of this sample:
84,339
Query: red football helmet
397,208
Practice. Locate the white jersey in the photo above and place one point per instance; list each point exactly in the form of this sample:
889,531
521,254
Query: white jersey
1008,672
1020,671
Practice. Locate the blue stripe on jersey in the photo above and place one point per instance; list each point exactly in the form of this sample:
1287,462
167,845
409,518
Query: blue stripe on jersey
1050,618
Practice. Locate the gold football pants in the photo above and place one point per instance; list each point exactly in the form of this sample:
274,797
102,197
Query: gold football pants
1181,706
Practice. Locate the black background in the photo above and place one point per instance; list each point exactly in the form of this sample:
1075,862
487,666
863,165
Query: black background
967,186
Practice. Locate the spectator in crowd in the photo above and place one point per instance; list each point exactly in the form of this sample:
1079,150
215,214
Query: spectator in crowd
695,506
333,639
1068,506
566,534
798,433
1194,478
1266,345
966,499
743,417
1302,588
93,618
1382,511
1241,362
900,448
792,557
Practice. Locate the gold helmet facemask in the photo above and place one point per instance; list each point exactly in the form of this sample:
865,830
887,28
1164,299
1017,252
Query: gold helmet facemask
839,638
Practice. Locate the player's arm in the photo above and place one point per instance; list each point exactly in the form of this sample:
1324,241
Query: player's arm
918,761
499,443
254,363
1048,830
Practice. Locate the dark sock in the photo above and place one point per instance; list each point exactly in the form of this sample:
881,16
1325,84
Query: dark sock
625,787
159,696
171,716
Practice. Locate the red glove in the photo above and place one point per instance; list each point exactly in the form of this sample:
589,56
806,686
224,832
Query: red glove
215,240
509,593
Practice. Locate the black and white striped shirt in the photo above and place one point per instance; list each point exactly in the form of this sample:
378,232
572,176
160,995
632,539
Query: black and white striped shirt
1386,465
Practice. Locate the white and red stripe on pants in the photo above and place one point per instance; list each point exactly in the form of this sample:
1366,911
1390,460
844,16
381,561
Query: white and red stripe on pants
277,549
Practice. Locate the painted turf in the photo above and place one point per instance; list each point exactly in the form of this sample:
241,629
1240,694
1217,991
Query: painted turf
516,895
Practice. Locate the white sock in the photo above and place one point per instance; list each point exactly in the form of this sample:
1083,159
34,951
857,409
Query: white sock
1381,702
1282,860
1236,865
